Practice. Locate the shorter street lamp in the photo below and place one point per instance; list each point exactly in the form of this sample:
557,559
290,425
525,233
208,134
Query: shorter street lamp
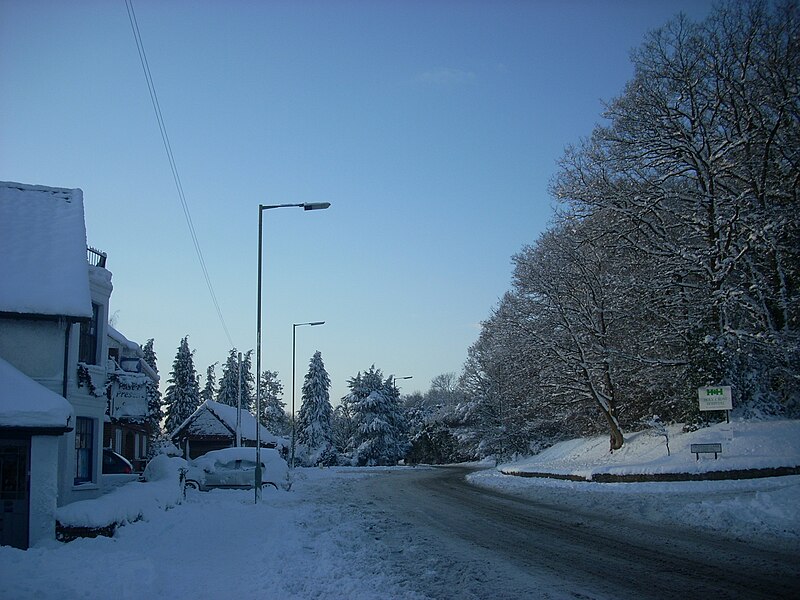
294,337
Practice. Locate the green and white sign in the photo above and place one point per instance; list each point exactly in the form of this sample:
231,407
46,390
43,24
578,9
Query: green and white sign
715,397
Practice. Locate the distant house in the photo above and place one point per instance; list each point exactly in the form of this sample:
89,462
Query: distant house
54,376
213,427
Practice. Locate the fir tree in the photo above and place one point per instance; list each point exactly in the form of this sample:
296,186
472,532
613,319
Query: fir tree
273,413
183,392
210,388
314,425
155,411
379,437
228,392
248,382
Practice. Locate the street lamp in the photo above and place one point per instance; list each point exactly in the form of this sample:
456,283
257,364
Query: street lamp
261,209
396,379
294,331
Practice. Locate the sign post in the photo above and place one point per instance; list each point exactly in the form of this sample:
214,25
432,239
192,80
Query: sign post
717,397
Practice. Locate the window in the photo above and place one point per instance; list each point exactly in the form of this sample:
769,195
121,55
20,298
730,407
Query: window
89,337
84,449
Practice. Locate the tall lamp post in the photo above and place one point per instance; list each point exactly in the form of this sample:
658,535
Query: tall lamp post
396,379
294,336
261,209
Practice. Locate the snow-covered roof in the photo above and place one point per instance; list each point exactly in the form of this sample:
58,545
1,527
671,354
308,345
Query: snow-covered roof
27,404
125,342
227,416
43,264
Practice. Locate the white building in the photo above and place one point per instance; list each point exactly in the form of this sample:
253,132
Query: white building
54,306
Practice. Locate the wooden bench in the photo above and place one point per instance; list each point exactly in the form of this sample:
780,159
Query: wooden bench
698,449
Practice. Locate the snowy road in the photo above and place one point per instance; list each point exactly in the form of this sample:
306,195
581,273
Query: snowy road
409,534
462,542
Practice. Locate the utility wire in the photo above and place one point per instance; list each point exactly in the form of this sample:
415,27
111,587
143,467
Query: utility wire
173,166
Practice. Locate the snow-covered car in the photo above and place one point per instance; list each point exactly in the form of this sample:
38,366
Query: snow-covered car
234,468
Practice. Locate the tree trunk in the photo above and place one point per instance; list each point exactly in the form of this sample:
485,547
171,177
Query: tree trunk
617,439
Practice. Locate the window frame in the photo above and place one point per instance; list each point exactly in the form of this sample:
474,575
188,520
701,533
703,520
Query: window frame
90,338
84,450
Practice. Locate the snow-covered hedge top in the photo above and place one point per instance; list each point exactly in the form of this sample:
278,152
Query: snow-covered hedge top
43,264
164,467
131,502
26,403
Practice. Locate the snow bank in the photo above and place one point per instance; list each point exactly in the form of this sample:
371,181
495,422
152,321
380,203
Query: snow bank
745,445
768,507
132,502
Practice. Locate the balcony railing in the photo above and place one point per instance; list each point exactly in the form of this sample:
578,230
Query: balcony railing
96,257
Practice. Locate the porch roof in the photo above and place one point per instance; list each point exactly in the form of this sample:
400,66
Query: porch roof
26,404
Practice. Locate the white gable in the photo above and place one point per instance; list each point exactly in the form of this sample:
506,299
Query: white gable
43,265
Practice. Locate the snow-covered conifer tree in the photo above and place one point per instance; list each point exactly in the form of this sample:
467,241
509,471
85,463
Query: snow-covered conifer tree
183,392
314,426
248,382
210,388
273,413
228,392
155,411
379,437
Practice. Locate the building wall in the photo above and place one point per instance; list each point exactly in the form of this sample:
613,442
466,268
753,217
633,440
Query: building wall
43,488
86,403
36,348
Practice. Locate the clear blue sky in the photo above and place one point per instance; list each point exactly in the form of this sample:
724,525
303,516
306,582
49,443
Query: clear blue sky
433,128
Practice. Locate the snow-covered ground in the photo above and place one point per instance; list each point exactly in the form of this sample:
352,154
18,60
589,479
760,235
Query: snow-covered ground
220,544
745,445
761,508
318,541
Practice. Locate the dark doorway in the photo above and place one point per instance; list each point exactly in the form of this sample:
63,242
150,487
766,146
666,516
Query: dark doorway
14,491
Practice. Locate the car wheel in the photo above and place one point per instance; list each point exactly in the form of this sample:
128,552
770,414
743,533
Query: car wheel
192,485
266,483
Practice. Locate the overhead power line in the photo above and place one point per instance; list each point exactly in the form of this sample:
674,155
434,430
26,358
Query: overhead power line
173,166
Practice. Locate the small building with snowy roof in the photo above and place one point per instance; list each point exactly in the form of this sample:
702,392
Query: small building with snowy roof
213,427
